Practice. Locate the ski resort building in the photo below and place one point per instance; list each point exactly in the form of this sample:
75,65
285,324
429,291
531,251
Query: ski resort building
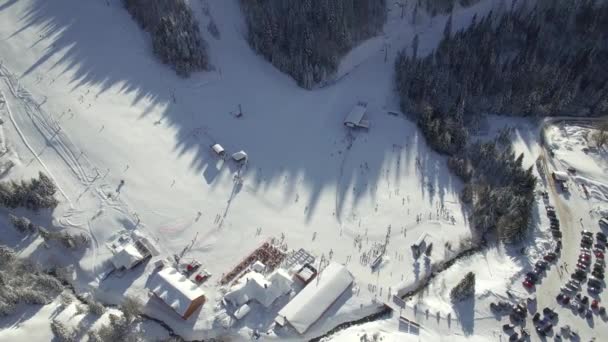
177,291
253,286
239,156
126,257
419,246
356,117
315,299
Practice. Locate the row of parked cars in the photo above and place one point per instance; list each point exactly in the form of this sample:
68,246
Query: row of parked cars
544,325
583,265
532,278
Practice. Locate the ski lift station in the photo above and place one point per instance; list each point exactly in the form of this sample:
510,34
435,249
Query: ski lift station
356,117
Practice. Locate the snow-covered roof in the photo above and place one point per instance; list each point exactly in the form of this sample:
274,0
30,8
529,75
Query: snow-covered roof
560,175
308,305
356,114
258,266
217,148
174,289
240,155
253,286
421,239
126,256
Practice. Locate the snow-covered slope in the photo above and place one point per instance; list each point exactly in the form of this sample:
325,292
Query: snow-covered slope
90,105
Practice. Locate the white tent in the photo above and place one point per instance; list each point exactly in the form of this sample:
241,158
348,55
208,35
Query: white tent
240,155
217,148
177,291
308,305
560,176
126,257
253,286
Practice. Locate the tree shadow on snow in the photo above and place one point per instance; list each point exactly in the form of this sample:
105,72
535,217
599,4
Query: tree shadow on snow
465,311
289,133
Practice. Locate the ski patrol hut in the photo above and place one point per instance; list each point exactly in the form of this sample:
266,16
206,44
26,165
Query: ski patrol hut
356,116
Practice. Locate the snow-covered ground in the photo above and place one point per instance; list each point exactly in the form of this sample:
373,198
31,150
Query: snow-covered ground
87,103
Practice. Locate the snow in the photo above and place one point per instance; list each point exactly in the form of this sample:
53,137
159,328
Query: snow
175,289
88,104
308,305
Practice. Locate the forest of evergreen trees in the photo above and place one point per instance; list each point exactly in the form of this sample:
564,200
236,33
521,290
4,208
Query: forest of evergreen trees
307,38
500,190
541,61
176,38
549,60
434,7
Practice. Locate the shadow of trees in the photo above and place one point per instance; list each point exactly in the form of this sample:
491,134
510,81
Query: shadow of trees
291,135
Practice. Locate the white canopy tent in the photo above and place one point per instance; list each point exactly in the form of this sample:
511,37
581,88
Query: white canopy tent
308,305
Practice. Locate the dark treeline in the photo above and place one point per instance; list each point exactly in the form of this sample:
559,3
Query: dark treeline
176,38
36,193
434,7
500,190
541,61
550,60
306,39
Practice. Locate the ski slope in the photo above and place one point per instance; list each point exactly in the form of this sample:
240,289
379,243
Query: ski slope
91,106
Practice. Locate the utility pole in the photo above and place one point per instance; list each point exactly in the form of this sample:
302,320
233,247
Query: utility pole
403,5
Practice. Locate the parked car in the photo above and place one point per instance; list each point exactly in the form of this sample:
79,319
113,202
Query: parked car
594,282
599,255
536,317
579,275
598,275
592,289
528,284
585,232
531,276
541,264
508,327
